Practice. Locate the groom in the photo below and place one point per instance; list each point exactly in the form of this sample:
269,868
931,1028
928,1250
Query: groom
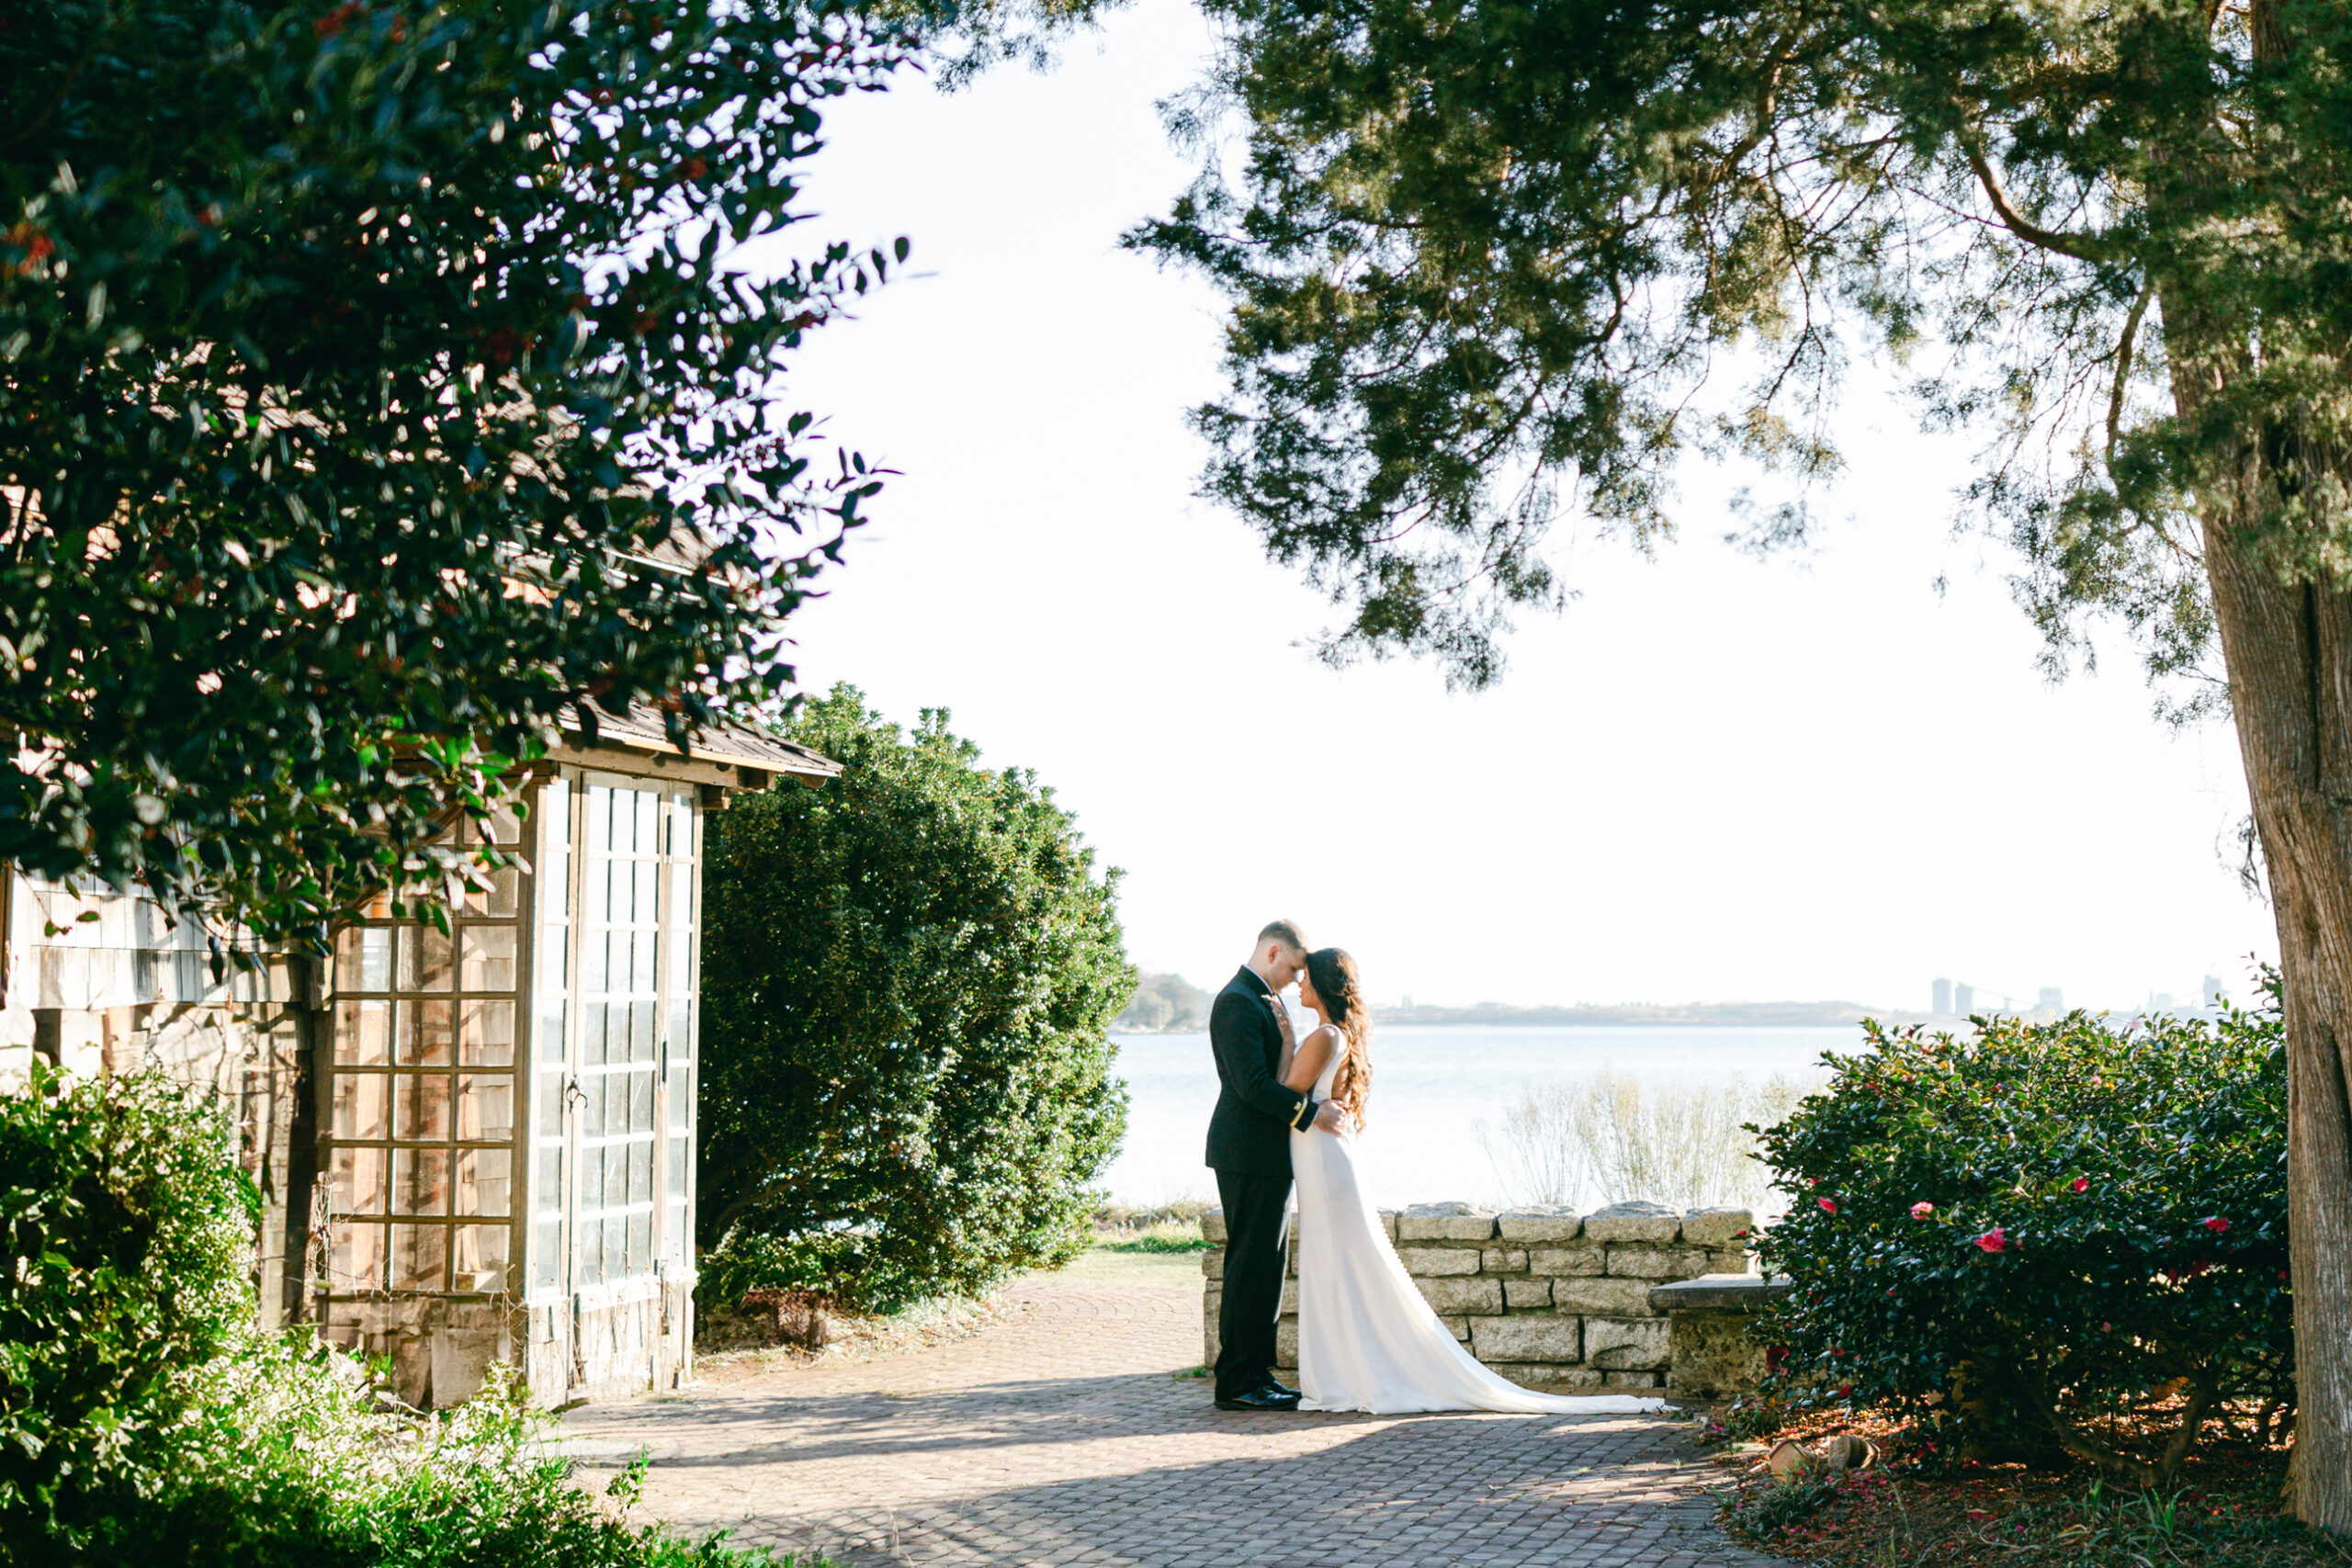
1250,1151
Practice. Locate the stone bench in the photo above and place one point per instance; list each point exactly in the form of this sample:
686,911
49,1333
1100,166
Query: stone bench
1549,1297
1711,1354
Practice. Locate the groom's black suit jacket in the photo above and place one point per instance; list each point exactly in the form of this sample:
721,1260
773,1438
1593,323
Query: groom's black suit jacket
1249,1132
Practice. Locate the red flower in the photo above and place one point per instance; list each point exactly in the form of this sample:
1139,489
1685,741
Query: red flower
2217,1224
1993,1240
1920,1211
1828,1206
2082,1184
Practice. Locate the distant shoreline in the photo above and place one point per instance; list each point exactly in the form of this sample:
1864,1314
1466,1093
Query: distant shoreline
1735,1015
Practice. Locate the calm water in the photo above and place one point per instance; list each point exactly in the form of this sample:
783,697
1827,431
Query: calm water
1430,1084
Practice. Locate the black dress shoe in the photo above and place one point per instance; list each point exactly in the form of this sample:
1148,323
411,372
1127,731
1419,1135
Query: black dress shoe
1268,1397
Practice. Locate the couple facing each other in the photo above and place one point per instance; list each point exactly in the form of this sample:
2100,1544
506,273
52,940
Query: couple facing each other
1291,1108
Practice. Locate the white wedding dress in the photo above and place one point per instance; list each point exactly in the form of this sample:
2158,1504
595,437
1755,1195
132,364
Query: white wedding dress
1366,1339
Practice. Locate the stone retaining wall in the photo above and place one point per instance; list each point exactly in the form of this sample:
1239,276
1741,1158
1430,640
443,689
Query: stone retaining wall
1549,1297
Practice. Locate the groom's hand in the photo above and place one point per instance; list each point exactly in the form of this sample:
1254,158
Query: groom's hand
1333,1117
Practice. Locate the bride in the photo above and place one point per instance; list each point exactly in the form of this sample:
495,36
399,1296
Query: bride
1366,1339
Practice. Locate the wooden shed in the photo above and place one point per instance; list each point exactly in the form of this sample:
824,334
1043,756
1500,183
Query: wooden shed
474,1146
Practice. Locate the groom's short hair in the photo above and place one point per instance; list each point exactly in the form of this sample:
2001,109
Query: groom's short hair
1284,931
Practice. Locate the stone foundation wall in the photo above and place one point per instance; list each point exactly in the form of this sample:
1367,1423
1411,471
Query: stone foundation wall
1550,1298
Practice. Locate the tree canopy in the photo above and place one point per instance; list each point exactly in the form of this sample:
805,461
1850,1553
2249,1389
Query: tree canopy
380,392
907,978
1485,257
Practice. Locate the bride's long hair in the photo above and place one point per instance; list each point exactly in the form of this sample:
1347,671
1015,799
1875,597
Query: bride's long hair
1333,975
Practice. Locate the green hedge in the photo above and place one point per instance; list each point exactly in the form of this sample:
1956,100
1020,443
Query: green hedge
909,978
2024,1234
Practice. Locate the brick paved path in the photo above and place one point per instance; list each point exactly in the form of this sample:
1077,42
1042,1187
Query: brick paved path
1060,1437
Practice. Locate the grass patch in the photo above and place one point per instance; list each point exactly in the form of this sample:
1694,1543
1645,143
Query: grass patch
1171,1227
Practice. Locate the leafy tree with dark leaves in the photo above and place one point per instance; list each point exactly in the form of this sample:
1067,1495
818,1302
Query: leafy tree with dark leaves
380,390
908,980
1484,256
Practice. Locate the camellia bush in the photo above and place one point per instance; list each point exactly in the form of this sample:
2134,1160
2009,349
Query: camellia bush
908,980
2060,1237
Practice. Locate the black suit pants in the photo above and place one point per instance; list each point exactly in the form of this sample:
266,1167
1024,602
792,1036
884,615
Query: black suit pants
1253,1278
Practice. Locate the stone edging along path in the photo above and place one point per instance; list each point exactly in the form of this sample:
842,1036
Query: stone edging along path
1062,1433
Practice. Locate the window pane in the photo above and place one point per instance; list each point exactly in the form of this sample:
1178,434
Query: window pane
616,1178
480,1257
420,1258
420,1181
640,1243
363,1033
424,1034
422,1102
550,1111
425,959
590,1270
505,826
591,1030
593,954
642,1045
489,957
503,896
553,1004
616,1247
641,1103
647,874
364,959
681,1102
547,1256
487,1036
355,1182
486,1105
648,806
358,1106
547,1195
482,1187
600,817
358,1262
641,972
641,1172
677,1170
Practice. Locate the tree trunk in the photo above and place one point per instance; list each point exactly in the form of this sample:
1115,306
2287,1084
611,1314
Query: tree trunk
2288,647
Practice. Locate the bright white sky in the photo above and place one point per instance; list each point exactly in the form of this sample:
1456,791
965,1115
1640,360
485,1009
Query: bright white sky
1711,780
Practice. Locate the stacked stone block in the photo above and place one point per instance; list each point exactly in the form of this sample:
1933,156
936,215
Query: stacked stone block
1547,1297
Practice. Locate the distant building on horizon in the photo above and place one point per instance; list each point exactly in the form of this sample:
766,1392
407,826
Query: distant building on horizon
1943,999
1963,999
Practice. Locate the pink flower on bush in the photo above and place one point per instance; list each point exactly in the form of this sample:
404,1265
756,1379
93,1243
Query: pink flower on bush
2082,1184
1920,1211
2217,1224
1828,1205
1993,1240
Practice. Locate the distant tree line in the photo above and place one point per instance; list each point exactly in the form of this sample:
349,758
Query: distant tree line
1164,1004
